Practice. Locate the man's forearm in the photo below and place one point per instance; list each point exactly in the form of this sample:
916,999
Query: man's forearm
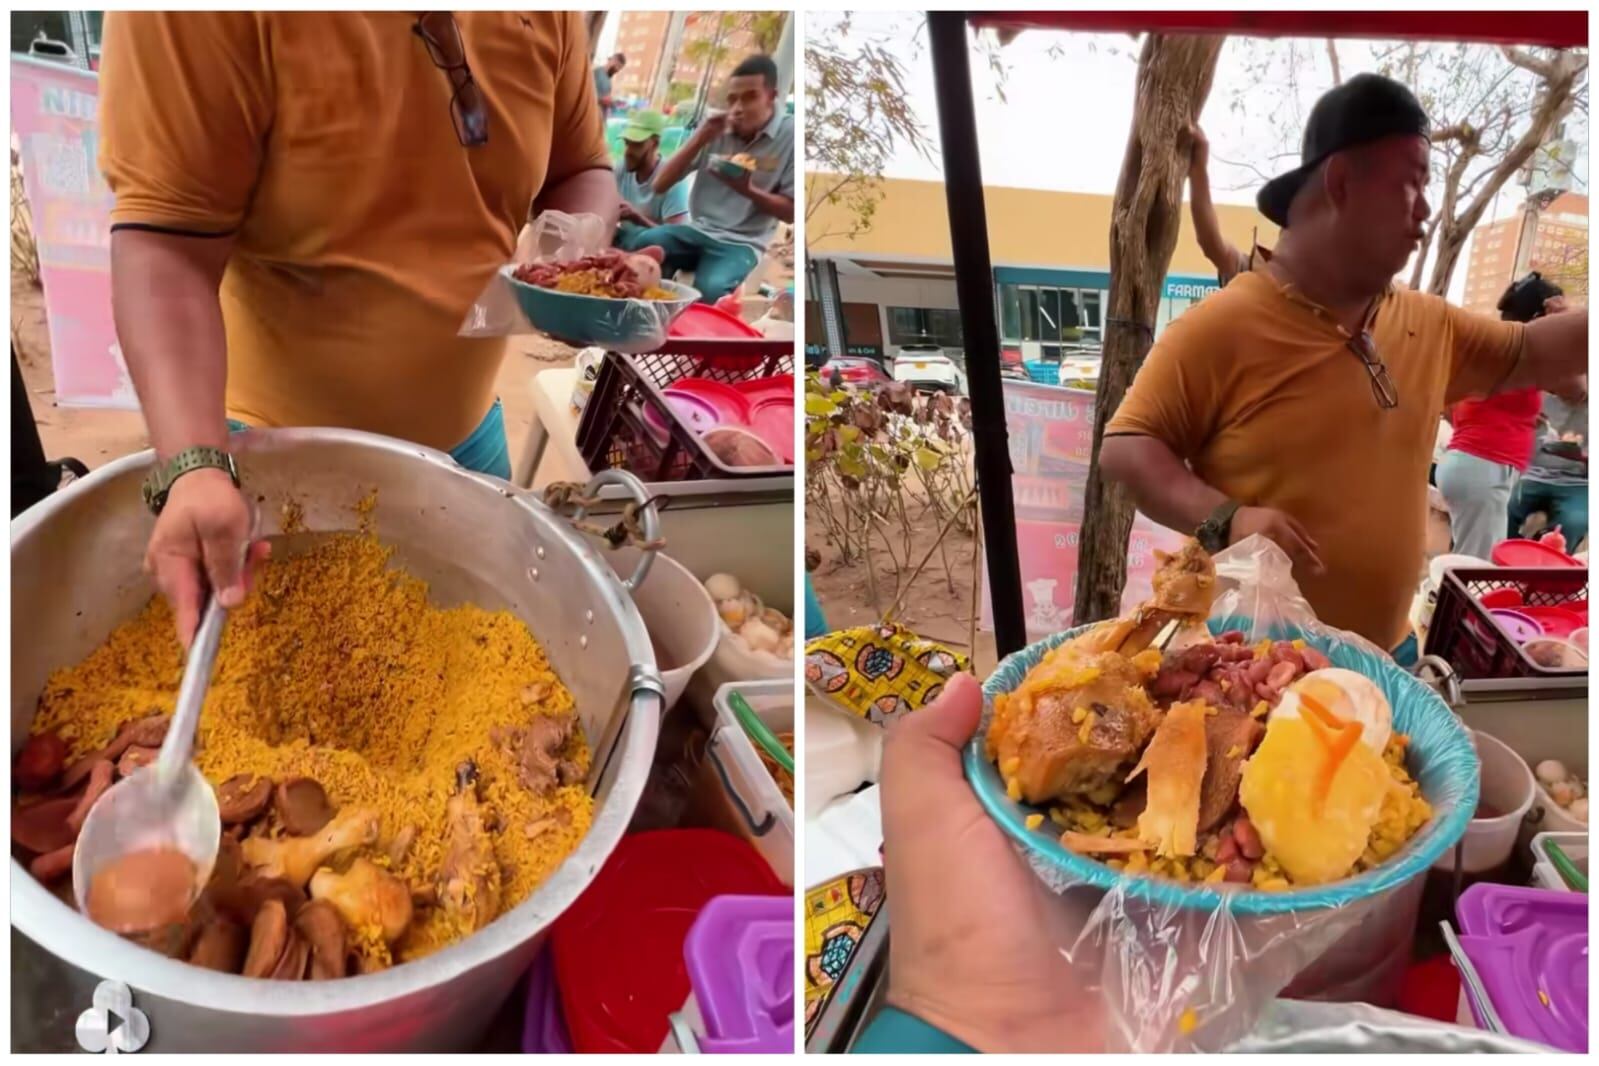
676,168
1160,482
169,323
590,192
777,205
1555,355
1207,227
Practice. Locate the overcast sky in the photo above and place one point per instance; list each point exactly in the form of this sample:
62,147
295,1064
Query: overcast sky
1068,107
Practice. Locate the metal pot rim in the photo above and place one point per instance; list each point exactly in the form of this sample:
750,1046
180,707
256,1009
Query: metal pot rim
71,936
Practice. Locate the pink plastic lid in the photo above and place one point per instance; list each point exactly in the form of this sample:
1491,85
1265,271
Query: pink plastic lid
1555,621
701,321
1519,626
1530,947
696,413
772,419
1530,553
740,958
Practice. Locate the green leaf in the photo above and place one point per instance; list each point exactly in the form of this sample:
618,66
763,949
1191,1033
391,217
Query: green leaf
849,434
820,406
928,459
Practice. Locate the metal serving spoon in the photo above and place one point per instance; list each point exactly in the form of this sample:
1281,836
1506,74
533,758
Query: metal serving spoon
169,804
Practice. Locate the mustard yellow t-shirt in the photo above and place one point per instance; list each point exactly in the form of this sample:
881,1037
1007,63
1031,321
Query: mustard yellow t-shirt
1257,389
364,229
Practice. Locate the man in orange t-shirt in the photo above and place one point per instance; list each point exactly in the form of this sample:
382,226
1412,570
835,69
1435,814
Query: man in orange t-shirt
1301,401
307,205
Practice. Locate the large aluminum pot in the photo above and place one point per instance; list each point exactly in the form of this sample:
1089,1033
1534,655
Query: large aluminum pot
75,563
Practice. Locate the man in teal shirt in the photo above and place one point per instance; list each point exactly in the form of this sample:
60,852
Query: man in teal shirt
732,216
643,206
602,82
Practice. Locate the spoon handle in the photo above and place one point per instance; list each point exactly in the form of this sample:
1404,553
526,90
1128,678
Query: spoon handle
179,743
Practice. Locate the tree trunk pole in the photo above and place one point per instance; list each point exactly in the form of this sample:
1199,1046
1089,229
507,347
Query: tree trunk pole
1174,78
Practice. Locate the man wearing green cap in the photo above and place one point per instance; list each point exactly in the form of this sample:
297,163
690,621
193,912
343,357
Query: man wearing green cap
642,205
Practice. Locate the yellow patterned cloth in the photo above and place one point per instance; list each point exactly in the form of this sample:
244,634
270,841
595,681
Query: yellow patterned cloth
880,672
836,916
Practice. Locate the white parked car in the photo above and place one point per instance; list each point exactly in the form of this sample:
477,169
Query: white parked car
927,367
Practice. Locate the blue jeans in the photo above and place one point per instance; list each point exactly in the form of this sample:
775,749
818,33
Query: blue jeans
485,450
718,266
1478,493
1566,506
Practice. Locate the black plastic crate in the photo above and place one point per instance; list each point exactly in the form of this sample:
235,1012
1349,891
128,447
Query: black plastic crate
613,431
1467,637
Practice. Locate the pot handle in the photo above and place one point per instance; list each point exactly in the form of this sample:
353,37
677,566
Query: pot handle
649,514
1438,675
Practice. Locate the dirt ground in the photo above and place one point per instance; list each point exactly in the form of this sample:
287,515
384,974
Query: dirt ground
939,606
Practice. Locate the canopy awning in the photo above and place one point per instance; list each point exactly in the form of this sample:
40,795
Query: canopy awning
1553,29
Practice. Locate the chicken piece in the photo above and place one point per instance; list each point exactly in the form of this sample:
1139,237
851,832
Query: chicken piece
536,748
295,859
367,897
469,879
1175,762
1184,584
1230,738
1072,727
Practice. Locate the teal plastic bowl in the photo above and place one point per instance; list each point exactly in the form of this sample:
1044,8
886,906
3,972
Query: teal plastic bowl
727,168
623,325
1442,759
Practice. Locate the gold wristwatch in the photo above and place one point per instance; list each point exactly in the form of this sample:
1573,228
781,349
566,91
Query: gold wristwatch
159,483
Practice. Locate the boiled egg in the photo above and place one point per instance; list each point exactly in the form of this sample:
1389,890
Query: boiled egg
1351,696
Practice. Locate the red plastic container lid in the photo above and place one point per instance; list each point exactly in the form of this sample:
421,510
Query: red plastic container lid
1555,621
772,419
701,321
1530,553
1501,598
619,949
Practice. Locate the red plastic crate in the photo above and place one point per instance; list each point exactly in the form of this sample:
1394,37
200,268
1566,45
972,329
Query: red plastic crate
613,431
1467,637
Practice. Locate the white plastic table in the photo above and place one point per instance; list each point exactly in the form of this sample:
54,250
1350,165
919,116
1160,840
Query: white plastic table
554,430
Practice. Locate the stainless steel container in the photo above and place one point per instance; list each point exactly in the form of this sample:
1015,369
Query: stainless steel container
76,575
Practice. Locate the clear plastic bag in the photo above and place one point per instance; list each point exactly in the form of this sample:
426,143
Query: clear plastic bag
1184,967
507,307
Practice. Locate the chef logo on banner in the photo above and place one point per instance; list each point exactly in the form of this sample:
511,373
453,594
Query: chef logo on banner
53,124
1051,433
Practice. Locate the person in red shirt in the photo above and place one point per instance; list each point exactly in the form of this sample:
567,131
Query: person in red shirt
1493,438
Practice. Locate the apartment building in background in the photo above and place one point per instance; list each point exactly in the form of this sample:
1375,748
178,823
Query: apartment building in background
646,38
1549,234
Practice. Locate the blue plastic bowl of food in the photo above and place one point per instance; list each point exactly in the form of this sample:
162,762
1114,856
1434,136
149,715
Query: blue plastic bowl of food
637,325
1442,759
726,167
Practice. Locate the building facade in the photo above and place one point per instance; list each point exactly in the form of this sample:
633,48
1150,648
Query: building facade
718,38
1548,234
894,284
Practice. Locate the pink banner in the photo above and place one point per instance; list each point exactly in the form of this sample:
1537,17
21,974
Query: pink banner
1051,437
53,122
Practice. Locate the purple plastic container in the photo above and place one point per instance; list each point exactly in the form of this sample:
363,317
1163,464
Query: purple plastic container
1527,941
544,1027
740,957
1521,627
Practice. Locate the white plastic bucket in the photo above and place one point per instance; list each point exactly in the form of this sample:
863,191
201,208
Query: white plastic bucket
742,797
1507,787
679,615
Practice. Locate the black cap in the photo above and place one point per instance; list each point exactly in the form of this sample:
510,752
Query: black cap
1366,108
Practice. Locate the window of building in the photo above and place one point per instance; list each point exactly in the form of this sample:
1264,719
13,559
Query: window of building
1056,318
925,325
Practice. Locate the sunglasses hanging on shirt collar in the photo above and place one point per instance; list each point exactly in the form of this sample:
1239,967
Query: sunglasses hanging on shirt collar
468,110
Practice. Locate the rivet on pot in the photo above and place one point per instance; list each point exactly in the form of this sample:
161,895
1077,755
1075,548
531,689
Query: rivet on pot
583,641
533,572
589,615
540,552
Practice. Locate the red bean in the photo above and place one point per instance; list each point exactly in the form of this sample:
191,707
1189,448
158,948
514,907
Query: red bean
1210,692
1248,838
1257,671
1281,675
1267,693
1227,850
1171,682
1239,871
1232,636
1315,660
1283,652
